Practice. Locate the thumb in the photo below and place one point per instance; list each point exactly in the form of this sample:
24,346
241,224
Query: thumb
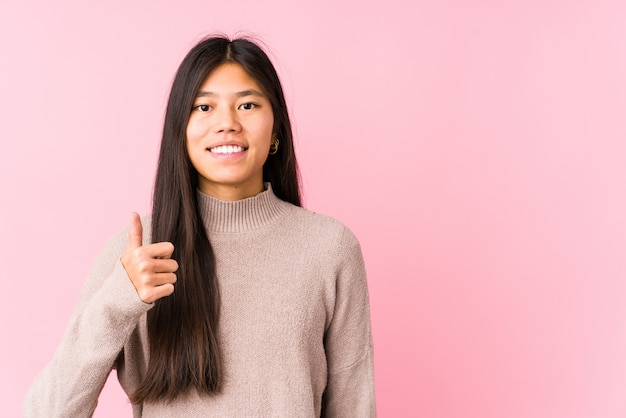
135,233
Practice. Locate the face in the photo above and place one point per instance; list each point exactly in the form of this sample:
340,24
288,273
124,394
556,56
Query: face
229,133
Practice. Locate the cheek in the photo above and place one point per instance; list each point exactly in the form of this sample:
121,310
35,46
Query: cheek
269,126
193,141
194,133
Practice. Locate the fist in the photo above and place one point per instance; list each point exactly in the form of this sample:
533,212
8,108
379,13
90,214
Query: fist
149,267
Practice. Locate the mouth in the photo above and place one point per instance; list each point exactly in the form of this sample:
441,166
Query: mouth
227,149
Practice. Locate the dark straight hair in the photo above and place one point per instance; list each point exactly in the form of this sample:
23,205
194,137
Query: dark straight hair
183,327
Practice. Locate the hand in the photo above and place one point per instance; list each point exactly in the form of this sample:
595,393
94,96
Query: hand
149,267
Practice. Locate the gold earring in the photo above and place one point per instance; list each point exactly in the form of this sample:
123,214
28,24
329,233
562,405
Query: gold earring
274,146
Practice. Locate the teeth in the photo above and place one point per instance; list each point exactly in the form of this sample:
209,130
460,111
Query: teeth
226,149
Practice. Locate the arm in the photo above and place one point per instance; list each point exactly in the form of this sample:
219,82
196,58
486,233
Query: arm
348,339
106,314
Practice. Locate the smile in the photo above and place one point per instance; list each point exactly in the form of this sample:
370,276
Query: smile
227,149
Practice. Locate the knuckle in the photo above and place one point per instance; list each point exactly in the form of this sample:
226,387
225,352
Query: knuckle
145,279
143,265
144,294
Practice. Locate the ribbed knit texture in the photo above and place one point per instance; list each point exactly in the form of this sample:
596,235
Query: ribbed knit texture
295,330
241,215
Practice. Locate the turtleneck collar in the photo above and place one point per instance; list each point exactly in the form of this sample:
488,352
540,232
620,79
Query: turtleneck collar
240,215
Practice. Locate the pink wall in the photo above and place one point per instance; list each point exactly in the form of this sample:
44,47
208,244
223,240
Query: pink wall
477,149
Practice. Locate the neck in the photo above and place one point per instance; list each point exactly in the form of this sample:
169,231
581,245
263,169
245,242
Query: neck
240,215
231,193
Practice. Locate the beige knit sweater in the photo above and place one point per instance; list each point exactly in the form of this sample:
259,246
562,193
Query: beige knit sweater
295,324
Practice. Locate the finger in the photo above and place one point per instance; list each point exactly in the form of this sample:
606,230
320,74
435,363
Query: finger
154,293
157,279
135,233
163,265
159,250
163,290
165,278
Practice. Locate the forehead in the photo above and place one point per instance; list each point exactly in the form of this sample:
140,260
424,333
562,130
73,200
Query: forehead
228,78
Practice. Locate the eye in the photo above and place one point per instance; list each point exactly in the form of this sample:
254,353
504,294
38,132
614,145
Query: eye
247,106
202,108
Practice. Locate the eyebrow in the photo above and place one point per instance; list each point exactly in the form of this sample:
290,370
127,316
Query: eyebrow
243,93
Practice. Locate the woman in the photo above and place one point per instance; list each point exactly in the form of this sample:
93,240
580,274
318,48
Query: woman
231,300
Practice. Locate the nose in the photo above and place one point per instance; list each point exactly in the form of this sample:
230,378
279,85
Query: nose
226,120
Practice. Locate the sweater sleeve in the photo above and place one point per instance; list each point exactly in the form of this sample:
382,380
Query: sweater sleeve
348,339
107,312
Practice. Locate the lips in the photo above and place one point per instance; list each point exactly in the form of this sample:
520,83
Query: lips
226,149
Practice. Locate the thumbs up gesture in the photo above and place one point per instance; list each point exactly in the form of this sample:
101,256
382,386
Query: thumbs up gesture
149,267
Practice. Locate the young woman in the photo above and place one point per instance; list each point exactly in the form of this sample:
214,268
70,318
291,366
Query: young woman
230,300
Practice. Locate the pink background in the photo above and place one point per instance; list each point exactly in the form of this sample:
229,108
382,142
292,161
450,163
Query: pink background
476,148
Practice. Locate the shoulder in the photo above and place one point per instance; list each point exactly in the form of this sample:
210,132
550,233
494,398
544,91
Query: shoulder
318,227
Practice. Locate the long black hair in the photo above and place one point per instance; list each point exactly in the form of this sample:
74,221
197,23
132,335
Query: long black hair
183,327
